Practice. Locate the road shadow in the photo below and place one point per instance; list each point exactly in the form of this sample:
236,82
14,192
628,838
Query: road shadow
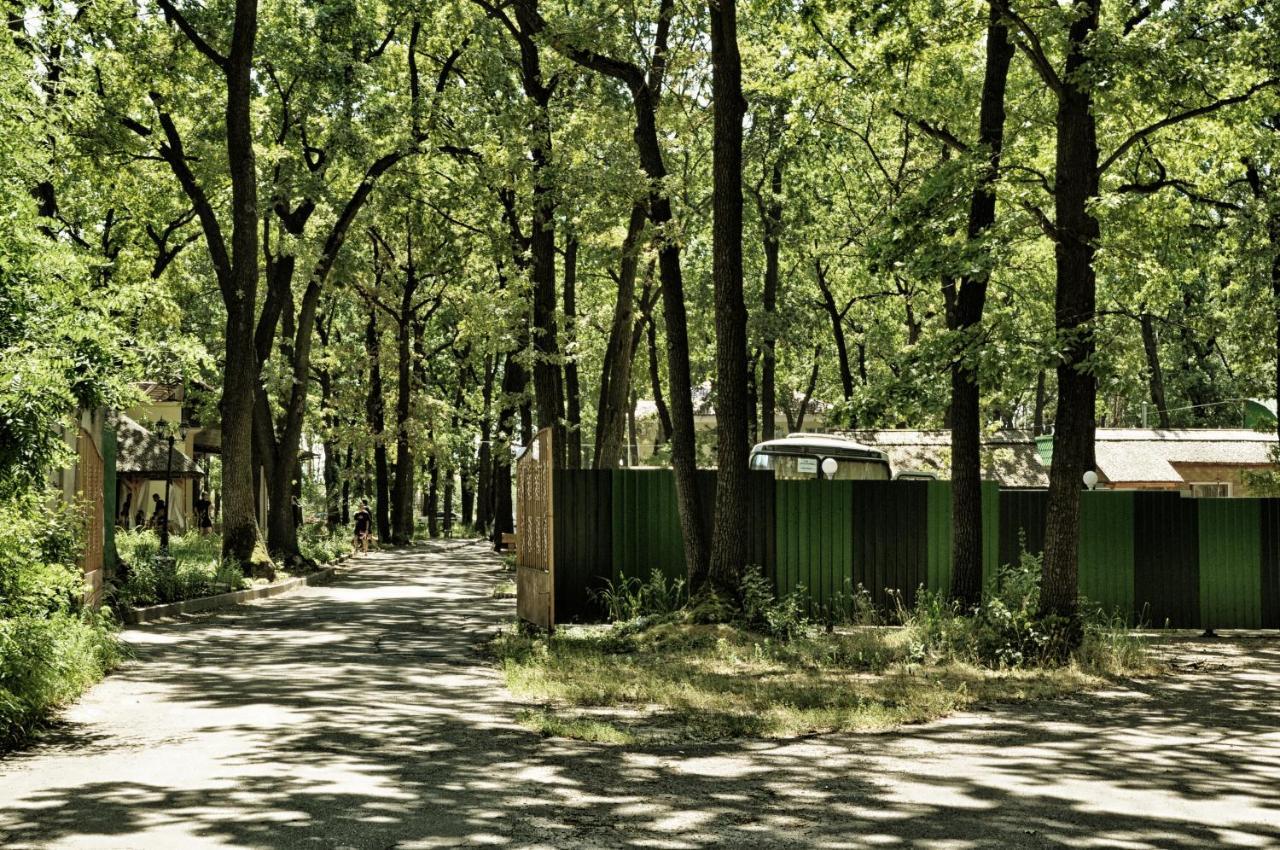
361,715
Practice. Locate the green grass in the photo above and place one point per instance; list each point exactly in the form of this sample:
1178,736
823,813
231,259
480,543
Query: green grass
504,590
680,681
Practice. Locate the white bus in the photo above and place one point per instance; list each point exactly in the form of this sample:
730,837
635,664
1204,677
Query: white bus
798,456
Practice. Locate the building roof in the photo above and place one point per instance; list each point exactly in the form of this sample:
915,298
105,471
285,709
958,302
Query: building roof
1149,454
140,452
1009,457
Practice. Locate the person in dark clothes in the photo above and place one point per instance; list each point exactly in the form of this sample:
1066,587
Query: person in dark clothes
203,518
159,516
364,527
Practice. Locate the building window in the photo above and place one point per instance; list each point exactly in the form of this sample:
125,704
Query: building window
1213,490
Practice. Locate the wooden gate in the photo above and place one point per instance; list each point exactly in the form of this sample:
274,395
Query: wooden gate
89,476
535,548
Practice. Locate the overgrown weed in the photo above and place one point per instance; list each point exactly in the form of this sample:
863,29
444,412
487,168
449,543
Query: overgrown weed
708,668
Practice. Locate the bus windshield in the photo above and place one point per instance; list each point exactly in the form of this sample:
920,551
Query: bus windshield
801,466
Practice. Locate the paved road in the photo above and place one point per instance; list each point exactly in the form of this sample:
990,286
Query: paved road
358,715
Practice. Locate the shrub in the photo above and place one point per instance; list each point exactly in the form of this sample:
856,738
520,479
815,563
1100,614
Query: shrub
322,546
1006,631
631,599
197,570
50,649
760,610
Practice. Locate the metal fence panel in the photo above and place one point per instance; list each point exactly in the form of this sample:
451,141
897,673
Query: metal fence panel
890,539
583,542
814,541
939,535
1106,551
1269,510
647,525
1022,515
1230,564
1166,562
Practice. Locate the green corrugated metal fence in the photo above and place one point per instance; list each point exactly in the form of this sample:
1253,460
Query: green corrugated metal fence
1230,564
1150,558
1106,552
646,525
814,540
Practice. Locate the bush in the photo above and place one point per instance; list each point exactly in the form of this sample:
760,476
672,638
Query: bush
631,599
198,569
1005,631
320,545
50,649
761,611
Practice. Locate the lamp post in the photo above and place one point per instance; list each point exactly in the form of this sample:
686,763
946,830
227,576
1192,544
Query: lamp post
164,428
170,431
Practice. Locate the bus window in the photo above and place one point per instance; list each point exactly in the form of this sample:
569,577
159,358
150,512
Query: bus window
787,467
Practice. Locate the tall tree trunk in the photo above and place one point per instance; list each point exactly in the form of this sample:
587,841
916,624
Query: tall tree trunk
808,390
375,412
1042,401
513,385
484,462
633,443
466,480
447,519
332,466
572,392
615,376
346,487
836,317
433,495
402,485
728,543
655,385
1273,236
548,387
965,308
1075,187
1155,375
239,523
332,485
771,218
1264,193
646,92
684,450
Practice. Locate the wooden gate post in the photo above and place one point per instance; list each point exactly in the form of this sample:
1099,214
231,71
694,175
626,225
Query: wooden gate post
535,532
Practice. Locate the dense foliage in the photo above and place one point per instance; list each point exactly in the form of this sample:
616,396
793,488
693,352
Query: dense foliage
403,236
50,650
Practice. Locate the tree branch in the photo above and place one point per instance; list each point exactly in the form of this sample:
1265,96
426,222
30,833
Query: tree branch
1184,116
173,16
1030,45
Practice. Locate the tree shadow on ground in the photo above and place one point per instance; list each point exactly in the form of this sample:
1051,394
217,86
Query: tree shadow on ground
359,715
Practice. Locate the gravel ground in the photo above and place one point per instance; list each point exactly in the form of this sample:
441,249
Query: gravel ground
359,715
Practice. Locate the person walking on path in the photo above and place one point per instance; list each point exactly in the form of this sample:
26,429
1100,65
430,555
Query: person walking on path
364,527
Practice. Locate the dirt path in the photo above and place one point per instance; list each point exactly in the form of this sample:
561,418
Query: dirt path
357,715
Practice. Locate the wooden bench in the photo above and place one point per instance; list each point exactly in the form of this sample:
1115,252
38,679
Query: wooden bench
508,542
